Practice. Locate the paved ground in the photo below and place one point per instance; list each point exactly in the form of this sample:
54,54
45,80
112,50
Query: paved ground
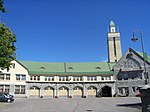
130,104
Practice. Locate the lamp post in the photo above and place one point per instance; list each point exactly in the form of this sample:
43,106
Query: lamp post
134,39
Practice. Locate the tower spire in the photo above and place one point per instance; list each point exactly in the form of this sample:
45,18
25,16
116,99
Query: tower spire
112,27
112,24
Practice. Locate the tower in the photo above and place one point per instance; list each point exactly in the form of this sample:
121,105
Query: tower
114,44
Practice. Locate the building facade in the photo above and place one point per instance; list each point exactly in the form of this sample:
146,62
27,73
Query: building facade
120,76
38,79
130,74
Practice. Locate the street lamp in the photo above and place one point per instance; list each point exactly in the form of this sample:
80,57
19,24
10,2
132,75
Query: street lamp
134,39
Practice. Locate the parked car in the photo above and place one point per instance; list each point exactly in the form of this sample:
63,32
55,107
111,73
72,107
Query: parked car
5,97
7,94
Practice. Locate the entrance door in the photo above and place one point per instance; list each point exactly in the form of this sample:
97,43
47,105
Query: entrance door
106,91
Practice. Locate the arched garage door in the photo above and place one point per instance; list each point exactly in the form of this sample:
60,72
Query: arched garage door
63,91
48,92
34,91
92,91
77,92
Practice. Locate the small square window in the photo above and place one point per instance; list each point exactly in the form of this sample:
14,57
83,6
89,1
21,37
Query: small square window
17,77
13,65
7,76
23,77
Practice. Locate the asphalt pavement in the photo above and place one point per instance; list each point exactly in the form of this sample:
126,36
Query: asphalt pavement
117,104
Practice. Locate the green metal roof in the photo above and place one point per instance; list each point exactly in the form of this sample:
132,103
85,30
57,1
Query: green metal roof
61,68
147,58
112,64
112,24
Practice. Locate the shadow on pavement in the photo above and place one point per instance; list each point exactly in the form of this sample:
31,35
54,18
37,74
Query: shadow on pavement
133,105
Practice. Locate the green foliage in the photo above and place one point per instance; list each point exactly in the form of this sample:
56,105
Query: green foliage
1,6
7,48
7,40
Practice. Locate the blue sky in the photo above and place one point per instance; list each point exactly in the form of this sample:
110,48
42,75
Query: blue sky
74,30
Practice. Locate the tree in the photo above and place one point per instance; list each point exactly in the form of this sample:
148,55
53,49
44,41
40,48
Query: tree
1,6
7,40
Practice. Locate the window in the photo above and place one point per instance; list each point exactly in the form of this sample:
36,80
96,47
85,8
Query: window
91,78
77,88
35,78
19,89
62,88
48,88
22,89
77,78
4,88
13,65
49,78
23,77
20,77
1,76
32,88
114,41
7,76
45,78
1,88
38,78
113,30
106,78
7,88
91,88
4,76
63,78
31,78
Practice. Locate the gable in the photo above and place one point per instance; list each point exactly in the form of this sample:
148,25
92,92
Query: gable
131,60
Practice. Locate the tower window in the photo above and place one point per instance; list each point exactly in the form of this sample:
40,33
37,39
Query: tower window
114,41
112,30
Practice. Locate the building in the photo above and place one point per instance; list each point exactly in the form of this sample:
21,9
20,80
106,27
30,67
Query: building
129,72
36,79
121,75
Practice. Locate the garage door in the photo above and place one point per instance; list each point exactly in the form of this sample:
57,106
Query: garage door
34,92
77,92
92,91
48,92
63,92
